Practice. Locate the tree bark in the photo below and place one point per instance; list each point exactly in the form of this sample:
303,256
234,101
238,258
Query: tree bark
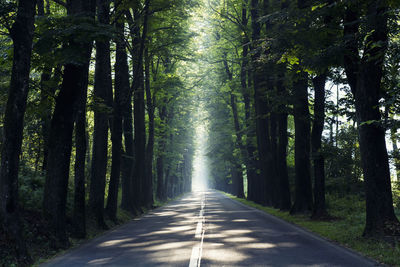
261,126
364,76
238,168
252,176
121,89
364,81
161,189
282,143
150,143
303,202
103,103
60,136
139,115
22,36
79,213
127,119
317,155
237,176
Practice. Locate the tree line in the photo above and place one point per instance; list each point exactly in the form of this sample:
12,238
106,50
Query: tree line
275,67
107,115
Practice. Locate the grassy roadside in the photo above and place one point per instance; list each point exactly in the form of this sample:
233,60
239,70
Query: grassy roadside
345,230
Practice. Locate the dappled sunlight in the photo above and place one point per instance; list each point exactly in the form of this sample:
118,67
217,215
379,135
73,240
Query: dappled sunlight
240,220
116,242
164,236
170,245
99,261
225,255
258,245
240,239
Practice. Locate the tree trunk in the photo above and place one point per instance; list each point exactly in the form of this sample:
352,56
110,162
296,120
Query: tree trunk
317,155
150,143
282,117
22,35
103,102
128,155
45,99
237,176
161,189
160,177
79,213
364,76
140,138
60,136
139,174
303,190
379,211
262,127
251,167
121,90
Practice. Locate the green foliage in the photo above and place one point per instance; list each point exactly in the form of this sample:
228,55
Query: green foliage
343,163
56,33
31,185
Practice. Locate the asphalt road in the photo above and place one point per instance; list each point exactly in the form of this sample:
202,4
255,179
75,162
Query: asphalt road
209,229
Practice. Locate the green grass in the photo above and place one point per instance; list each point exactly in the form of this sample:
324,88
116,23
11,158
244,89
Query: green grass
346,229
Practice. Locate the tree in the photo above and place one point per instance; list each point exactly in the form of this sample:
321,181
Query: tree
316,135
121,87
364,75
303,191
22,36
62,122
103,102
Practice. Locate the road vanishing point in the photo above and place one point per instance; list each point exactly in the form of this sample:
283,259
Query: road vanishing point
209,229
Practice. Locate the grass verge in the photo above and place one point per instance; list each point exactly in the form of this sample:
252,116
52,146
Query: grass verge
346,230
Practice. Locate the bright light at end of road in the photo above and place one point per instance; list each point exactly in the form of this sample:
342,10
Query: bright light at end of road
200,165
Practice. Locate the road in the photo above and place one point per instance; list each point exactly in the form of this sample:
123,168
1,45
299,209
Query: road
209,229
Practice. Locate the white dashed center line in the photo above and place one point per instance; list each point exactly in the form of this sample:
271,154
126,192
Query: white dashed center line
197,250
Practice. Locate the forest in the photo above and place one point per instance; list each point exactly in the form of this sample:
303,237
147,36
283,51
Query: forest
106,105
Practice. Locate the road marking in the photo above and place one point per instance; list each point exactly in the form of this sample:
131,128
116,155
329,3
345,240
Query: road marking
197,250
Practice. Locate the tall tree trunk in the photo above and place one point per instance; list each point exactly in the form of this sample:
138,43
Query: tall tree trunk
22,35
46,116
128,155
79,213
161,189
262,131
150,143
103,101
317,156
45,100
364,75
60,136
160,177
139,117
303,189
282,117
250,164
237,176
121,89
238,168
251,167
